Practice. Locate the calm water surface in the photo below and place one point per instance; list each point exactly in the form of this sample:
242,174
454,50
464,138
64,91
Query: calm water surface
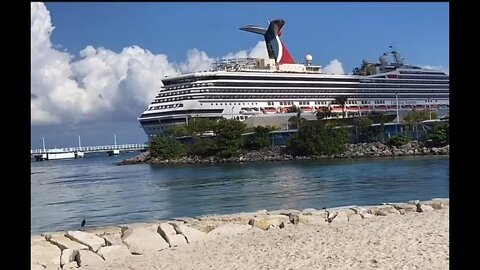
63,192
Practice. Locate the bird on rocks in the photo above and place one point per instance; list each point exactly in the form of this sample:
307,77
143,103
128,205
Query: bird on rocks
83,223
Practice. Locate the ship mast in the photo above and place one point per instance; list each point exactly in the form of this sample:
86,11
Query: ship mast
396,56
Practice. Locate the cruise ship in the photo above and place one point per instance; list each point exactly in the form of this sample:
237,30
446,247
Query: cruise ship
244,88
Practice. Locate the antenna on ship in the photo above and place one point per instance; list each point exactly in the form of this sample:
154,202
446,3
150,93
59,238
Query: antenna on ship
178,70
396,56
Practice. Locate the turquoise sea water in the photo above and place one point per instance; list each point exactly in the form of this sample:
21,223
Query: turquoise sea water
63,192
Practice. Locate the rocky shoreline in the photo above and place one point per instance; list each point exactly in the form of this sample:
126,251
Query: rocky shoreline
120,247
359,150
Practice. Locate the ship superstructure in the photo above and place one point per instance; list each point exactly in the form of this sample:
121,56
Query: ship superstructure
243,88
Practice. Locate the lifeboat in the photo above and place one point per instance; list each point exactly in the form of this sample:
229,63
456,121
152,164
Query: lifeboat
306,109
269,110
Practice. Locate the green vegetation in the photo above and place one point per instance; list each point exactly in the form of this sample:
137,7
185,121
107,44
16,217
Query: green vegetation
326,112
414,117
399,140
440,135
294,109
341,100
295,122
166,147
317,138
364,131
259,139
228,137
203,147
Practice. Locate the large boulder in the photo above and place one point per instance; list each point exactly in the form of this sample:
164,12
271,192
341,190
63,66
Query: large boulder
70,266
314,219
191,234
383,210
89,239
170,235
228,230
407,207
265,223
91,259
355,217
343,215
114,253
68,255
424,208
44,253
142,240
66,243
113,239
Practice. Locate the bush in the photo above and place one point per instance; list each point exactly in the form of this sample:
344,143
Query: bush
260,138
203,147
229,137
399,140
440,135
166,148
316,138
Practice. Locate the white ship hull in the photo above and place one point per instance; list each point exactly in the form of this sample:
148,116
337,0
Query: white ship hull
244,88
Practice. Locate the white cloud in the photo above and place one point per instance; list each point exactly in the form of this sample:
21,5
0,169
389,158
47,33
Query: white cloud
441,68
334,67
259,51
196,61
101,85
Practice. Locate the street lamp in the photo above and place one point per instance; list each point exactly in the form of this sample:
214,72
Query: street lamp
232,111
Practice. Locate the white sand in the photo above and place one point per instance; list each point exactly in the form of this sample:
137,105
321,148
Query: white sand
410,241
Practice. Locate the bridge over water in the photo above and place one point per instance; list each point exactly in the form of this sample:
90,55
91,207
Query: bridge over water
91,149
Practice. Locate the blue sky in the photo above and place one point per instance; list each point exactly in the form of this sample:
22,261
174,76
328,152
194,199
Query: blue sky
348,32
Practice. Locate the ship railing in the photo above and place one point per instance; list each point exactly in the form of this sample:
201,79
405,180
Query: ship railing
235,64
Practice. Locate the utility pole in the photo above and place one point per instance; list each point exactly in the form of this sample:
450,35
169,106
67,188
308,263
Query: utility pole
398,116
396,101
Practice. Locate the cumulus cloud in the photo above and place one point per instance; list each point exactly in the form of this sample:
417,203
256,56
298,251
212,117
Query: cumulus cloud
196,61
259,51
441,68
101,85
334,67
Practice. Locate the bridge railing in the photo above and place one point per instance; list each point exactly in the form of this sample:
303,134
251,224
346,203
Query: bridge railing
99,148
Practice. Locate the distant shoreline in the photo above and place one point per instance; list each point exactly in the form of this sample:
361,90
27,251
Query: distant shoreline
354,151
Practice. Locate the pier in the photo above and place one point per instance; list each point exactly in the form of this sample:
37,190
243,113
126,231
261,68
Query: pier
92,149
75,152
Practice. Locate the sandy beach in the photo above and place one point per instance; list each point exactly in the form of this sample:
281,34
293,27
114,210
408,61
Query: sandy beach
413,241
405,240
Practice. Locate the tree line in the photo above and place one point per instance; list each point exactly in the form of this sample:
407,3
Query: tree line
224,138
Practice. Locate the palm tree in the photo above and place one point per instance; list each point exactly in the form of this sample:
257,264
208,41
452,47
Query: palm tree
341,100
294,109
296,121
326,112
